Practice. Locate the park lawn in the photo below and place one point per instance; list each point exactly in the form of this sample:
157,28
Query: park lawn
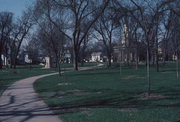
8,76
105,95
86,64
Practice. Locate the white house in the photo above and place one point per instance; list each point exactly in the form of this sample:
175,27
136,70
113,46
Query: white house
4,59
96,57
27,59
67,56
47,62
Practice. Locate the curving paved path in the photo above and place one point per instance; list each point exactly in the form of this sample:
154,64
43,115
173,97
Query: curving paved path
20,103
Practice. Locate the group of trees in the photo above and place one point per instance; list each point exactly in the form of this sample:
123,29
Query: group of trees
73,19
12,33
62,25
152,25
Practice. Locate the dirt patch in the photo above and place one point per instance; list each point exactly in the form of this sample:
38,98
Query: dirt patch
145,96
47,94
61,93
86,113
99,92
5,70
129,108
74,92
132,77
60,97
168,72
64,84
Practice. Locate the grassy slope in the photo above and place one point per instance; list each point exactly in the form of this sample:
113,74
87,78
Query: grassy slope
11,75
84,65
103,95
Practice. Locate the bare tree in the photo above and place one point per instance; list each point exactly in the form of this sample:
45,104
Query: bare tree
5,29
105,27
20,30
148,20
51,40
175,33
78,14
84,48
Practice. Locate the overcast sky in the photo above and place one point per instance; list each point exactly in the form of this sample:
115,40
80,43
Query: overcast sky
15,6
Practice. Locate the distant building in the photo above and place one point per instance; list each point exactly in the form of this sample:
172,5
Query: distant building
67,57
47,62
174,57
4,60
23,58
96,57
125,51
27,59
123,54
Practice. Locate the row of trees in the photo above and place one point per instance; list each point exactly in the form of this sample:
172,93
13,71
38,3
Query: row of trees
61,25
70,24
152,25
73,23
12,34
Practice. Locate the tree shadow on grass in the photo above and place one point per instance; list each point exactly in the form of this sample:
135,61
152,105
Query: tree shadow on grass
93,73
11,111
167,70
9,79
117,99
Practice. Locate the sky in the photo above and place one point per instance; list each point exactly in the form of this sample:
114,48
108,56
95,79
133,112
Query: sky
15,6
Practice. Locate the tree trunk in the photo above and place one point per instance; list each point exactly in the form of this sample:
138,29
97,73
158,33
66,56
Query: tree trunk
148,72
157,58
157,52
6,53
11,63
120,62
82,62
177,67
109,60
82,57
75,59
164,57
1,65
137,58
59,68
56,63
153,58
157,61
0,62
128,56
15,62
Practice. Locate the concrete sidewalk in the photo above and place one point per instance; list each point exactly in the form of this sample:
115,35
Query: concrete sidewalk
20,103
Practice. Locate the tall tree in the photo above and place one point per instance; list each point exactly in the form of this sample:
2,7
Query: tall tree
78,13
20,30
51,41
148,16
105,27
5,29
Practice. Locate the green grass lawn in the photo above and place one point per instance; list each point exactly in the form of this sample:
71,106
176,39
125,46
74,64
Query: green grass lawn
105,95
8,76
70,65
